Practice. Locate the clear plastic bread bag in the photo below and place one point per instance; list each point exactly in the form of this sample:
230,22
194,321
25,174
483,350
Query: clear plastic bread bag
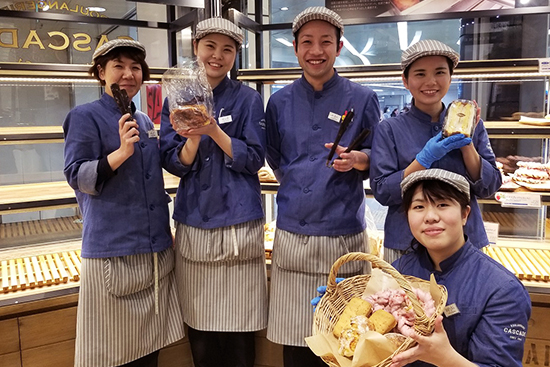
460,118
189,95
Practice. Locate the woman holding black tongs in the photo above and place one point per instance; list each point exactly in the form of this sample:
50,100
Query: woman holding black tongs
128,307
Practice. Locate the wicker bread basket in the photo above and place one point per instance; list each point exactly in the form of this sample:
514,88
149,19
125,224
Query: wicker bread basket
337,296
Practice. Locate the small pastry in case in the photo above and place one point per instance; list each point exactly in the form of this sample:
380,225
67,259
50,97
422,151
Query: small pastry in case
460,118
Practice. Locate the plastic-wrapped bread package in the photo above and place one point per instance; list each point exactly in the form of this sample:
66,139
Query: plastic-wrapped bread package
189,95
460,118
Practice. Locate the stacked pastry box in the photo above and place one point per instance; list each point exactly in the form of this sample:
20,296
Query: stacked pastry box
362,320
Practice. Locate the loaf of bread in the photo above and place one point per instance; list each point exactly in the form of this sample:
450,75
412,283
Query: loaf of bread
189,117
356,306
383,321
460,118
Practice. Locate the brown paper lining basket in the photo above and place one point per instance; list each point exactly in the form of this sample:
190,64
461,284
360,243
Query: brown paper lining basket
337,296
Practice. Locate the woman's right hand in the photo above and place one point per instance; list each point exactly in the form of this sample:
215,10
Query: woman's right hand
128,131
129,135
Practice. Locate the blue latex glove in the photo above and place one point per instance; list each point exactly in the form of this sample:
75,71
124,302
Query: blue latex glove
321,290
437,147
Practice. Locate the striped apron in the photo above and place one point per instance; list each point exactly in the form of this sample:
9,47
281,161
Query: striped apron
299,265
126,310
221,277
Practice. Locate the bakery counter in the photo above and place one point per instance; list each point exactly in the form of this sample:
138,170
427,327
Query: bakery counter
32,273
38,328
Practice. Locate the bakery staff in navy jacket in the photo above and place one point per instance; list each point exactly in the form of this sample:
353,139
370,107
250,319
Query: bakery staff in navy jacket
321,213
220,255
127,307
412,141
488,308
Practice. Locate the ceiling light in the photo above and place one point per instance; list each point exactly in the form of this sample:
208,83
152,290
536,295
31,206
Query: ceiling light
99,9
284,41
284,8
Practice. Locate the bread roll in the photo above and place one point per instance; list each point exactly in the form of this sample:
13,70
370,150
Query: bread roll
348,339
383,321
356,306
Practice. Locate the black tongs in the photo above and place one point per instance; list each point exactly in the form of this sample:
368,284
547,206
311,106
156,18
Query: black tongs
346,119
356,143
122,100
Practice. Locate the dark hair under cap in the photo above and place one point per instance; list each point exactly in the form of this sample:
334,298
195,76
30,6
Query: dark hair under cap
119,42
115,48
459,182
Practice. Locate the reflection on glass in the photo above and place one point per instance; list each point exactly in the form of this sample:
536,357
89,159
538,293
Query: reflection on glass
46,41
490,38
29,104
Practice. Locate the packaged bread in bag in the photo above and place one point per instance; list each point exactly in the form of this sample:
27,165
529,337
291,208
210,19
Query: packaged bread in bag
460,118
189,95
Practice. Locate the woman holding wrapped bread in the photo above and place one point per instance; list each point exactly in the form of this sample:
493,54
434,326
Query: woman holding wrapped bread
488,308
220,256
128,307
413,141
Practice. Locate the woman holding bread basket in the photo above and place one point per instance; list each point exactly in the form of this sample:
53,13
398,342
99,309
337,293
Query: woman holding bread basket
128,307
414,141
488,308
220,255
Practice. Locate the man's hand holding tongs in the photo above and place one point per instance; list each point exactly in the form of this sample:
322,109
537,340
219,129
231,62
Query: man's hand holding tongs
350,157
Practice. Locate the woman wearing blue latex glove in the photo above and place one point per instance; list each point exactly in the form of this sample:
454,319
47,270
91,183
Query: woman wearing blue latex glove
438,147
412,142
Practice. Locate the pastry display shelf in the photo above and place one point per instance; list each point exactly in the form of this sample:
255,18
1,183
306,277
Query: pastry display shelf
31,135
16,298
55,73
58,194
465,70
50,195
516,130
54,134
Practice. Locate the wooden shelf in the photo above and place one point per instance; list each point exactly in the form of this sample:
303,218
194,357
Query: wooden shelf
516,130
31,134
54,134
50,195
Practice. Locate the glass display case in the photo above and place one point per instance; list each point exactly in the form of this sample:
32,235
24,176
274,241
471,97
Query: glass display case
508,92
43,75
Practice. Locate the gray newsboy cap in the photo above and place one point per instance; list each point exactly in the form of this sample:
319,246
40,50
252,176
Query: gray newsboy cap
119,42
219,25
453,179
428,48
317,13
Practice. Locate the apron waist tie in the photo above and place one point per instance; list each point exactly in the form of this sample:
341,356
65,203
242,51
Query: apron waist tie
156,270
